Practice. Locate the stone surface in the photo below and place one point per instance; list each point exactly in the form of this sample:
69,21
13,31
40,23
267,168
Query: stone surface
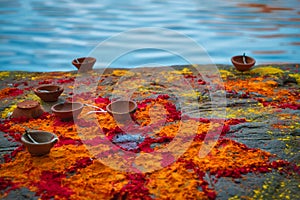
272,130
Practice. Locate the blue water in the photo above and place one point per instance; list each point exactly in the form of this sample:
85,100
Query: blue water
47,35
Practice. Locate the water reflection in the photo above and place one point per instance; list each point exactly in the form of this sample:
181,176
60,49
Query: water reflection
47,35
269,52
263,8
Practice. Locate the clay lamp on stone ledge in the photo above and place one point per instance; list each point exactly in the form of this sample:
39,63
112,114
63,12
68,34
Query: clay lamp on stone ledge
242,62
48,93
67,111
39,143
121,110
28,109
84,64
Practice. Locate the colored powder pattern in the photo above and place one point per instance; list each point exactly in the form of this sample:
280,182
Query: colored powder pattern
72,170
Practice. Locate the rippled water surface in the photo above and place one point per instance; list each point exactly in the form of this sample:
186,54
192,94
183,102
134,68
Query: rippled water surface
46,35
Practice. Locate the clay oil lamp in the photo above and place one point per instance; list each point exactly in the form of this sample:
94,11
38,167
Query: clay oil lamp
84,64
67,111
48,93
39,143
242,62
28,109
121,109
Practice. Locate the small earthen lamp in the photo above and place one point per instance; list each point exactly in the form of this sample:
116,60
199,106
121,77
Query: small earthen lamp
242,62
67,111
39,143
28,109
84,64
48,93
121,109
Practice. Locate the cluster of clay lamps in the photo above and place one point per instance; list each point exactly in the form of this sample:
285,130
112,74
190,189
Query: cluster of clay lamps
39,143
242,62
65,111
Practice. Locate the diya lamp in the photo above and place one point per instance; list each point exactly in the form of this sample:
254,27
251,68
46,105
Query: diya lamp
67,111
48,93
121,109
84,64
242,62
28,109
39,143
